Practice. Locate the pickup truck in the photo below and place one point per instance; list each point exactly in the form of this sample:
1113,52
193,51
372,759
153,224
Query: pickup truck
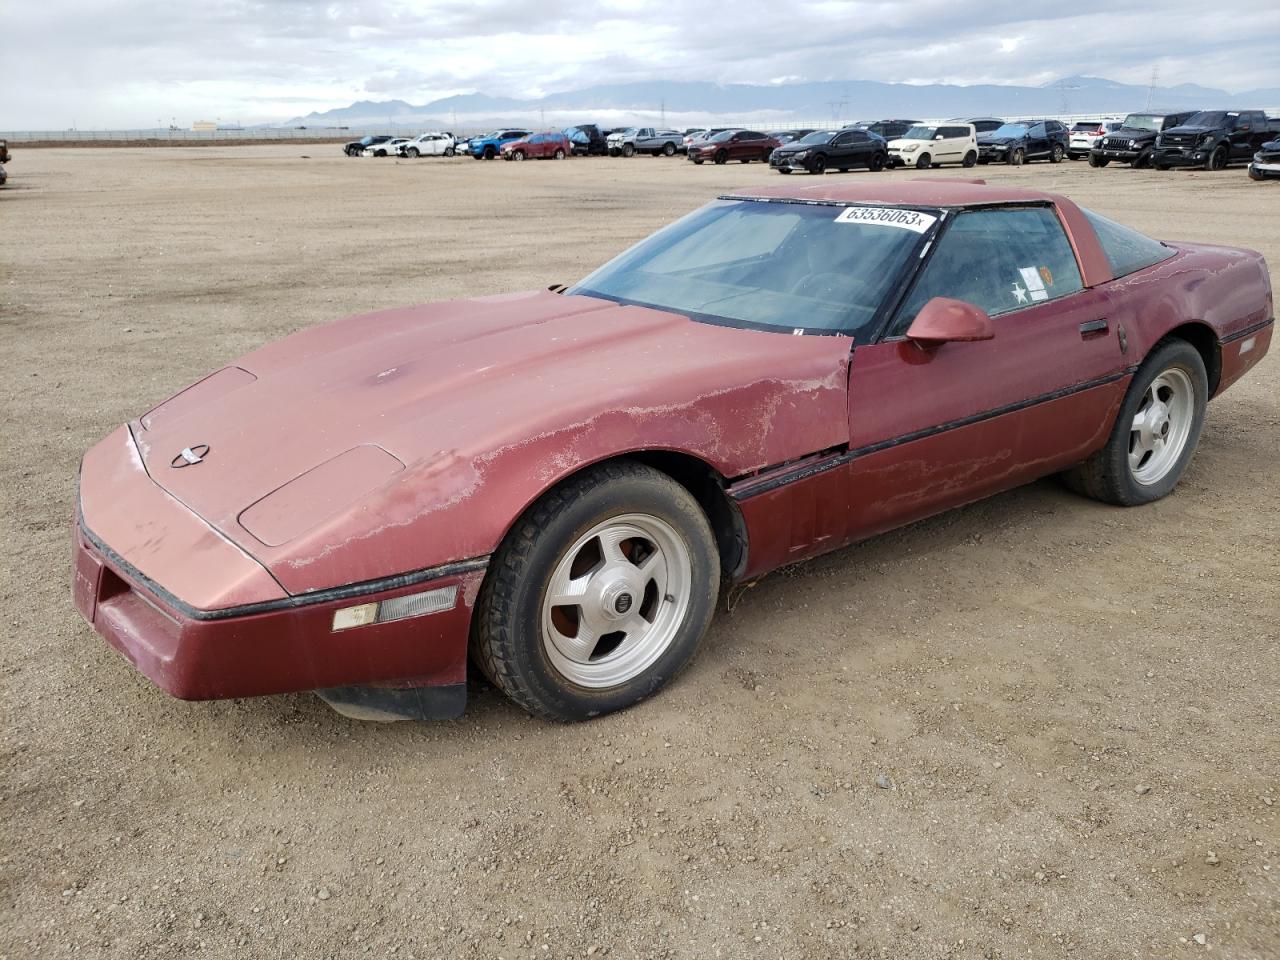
635,140
1214,138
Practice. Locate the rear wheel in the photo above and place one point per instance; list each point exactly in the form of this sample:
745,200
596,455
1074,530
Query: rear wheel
599,595
876,163
668,149
970,159
1155,433
1056,153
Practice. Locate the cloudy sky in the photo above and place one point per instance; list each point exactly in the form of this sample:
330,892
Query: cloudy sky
134,63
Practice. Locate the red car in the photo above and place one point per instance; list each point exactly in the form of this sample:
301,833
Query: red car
741,145
562,481
537,146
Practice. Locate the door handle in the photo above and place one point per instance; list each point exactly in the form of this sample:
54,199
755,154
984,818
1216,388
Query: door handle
1093,327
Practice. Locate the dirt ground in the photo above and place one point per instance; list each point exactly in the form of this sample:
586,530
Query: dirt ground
1073,707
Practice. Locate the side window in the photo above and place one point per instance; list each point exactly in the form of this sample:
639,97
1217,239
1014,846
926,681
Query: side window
843,140
955,132
1127,250
1036,131
999,260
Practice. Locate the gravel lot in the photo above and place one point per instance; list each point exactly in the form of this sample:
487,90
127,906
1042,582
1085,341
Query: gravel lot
1037,727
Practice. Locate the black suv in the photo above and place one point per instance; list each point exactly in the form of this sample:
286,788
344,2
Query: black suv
981,125
887,129
1212,139
587,140
1022,141
1134,142
353,148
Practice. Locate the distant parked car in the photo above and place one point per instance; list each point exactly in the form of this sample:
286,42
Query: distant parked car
356,147
980,124
692,136
823,150
927,145
889,129
1084,134
741,145
790,136
648,140
387,148
4,152
1135,139
537,146
489,145
587,140
429,145
1214,138
1024,141
1265,165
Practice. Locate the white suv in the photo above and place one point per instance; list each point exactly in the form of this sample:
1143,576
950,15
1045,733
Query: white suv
429,145
927,145
1086,133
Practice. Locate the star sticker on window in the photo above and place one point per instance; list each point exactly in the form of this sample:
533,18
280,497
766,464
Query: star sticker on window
1019,293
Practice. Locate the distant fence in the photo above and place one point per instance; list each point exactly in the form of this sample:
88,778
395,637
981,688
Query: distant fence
161,136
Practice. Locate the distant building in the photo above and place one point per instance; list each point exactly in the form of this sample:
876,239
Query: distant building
204,126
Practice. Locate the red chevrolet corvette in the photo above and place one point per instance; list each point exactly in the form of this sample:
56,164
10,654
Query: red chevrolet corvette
559,482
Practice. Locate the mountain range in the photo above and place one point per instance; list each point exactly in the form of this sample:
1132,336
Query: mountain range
680,103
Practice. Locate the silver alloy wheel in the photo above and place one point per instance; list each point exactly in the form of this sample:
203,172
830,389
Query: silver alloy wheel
616,600
1161,426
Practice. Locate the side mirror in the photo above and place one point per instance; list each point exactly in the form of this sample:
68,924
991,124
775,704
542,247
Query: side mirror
939,137
943,320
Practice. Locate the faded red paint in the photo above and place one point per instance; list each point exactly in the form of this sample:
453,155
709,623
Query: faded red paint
413,438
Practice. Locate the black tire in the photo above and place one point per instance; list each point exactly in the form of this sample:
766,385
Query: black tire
970,159
1017,157
1097,161
924,161
516,154
818,165
507,640
1056,153
628,149
449,151
787,170
1106,475
876,163
1217,160
1160,166
721,157
490,153
1142,160
668,149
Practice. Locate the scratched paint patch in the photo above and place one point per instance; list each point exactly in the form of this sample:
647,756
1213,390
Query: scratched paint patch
912,220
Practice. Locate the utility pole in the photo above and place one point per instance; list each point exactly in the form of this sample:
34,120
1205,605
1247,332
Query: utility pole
1151,90
662,112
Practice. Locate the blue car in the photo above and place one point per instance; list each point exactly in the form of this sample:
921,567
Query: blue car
490,145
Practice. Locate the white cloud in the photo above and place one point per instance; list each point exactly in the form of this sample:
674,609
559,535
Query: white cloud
130,62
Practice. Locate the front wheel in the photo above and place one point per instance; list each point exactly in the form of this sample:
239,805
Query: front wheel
1155,433
1097,161
628,149
413,152
449,151
970,159
558,155
600,594
818,165
668,149
1217,160
1017,157
490,153
517,155
924,162
722,157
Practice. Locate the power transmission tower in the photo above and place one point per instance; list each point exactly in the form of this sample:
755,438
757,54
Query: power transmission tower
1151,90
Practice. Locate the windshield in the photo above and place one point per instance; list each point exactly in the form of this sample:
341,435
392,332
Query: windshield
1010,130
774,265
722,135
818,136
920,133
1143,121
1210,118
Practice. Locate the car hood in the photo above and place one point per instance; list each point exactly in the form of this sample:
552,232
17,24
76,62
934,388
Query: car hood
1132,133
901,142
437,400
1195,129
989,140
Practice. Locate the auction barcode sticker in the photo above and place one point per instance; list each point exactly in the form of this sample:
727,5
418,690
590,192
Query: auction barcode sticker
888,217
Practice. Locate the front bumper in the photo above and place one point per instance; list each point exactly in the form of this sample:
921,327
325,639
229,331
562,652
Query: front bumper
993,154
1265,166
1123,154
280,646
1181,156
